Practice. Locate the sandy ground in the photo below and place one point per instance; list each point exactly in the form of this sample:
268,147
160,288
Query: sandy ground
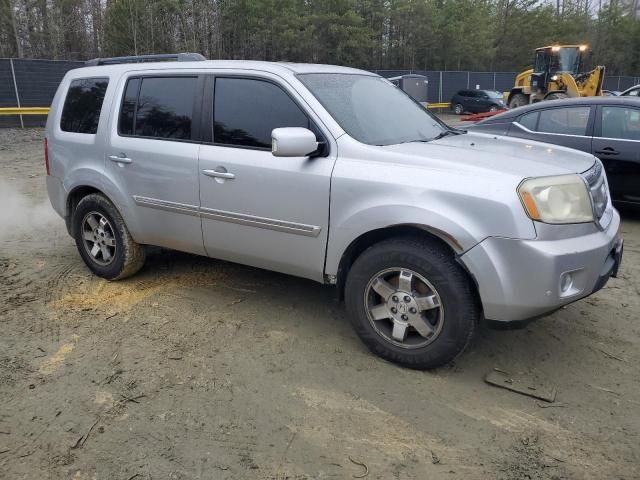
199,369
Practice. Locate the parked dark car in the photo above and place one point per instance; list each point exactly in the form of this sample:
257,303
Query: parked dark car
477,101
631,92
607,127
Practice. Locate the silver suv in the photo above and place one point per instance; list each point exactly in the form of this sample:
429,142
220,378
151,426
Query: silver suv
332,174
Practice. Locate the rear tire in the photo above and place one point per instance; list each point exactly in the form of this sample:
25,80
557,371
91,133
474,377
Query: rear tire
557,96
518,100
458,109
103,240
429,278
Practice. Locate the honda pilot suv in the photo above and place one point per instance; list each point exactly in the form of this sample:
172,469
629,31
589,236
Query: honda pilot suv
334,175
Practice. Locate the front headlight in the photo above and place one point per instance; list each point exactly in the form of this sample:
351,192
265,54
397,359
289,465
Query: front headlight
559,199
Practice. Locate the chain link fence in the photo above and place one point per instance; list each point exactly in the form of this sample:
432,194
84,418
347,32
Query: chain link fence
33,83
29,83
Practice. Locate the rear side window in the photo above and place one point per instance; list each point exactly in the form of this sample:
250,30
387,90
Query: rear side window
245,111
530,120
568,121
81,111
158,107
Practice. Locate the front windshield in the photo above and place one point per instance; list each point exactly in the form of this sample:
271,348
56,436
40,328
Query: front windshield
494,94
567,60
372,110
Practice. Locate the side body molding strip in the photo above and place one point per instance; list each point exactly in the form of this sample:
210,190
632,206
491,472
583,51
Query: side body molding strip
231,217
167,206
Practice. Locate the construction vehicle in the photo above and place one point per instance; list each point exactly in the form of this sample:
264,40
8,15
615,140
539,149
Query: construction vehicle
556,74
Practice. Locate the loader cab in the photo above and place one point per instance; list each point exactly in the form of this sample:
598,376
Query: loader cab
550,61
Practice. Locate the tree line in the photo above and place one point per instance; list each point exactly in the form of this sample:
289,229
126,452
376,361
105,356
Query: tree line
481,35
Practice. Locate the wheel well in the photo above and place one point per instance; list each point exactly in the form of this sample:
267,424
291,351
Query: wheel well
368,239
73,199
514,91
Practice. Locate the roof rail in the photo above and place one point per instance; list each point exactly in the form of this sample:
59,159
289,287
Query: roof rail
177,57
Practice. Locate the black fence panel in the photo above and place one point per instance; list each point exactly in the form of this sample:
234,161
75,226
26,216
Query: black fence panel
627,82
505,81
611,83
37,81
481,80
7,93
452,82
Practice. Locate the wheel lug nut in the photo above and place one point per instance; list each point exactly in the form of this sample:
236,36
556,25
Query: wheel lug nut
407,298
413,310
404,317
394,298
394,310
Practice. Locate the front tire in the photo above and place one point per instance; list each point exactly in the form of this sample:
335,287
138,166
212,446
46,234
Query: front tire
458,109
411,303
518,100
103,240
557,96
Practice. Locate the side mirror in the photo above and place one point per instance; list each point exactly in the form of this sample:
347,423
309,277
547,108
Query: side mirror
293,142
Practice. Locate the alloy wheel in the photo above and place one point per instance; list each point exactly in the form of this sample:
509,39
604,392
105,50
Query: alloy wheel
404,307
99,238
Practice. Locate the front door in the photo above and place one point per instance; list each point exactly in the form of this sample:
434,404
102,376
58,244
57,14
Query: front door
617,144
152,160
257,209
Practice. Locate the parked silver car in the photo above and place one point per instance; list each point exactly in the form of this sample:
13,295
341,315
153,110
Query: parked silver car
332,174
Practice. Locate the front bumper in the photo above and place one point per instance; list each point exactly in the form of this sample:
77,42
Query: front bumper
522,279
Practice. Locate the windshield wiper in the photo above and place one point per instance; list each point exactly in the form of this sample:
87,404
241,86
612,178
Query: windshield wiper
450,131
446,133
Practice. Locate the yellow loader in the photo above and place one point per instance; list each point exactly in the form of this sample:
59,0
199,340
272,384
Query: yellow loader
556,74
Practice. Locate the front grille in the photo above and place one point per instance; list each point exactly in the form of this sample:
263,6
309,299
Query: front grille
599,191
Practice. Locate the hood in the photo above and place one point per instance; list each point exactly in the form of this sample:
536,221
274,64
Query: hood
519,157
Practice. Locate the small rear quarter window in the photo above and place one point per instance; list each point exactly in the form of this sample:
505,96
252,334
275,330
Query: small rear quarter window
529,120
81,111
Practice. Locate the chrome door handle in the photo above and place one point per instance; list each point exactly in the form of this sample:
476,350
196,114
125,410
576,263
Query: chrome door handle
215,173
120,158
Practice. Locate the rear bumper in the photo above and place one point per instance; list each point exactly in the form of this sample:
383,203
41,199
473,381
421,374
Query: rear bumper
523,279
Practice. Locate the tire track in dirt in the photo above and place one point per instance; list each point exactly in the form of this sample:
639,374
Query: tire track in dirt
16,288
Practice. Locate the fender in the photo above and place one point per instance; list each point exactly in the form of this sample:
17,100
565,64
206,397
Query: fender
85,176
447,226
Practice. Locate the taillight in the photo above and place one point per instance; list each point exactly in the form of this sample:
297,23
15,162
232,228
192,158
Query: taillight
46,156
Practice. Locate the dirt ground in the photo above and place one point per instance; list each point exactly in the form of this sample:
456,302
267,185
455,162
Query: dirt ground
200,369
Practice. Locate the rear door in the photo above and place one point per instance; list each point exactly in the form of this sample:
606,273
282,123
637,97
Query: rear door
567,126
257,209
473,101
484,101
152,158
617,144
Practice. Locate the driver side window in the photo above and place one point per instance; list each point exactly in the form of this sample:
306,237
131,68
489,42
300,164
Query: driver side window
246,110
